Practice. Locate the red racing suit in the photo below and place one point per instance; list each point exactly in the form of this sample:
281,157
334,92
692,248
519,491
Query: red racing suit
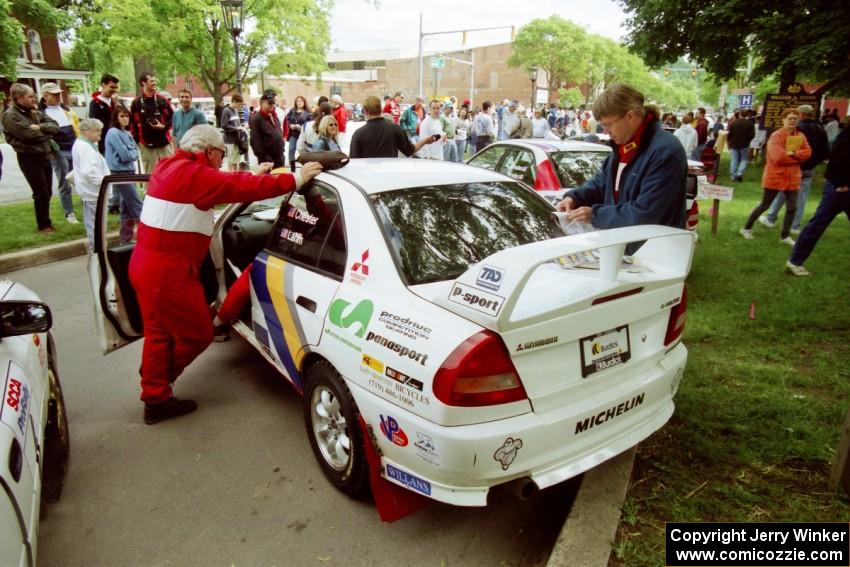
173,238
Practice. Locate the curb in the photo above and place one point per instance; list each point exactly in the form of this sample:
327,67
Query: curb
591,527
45,254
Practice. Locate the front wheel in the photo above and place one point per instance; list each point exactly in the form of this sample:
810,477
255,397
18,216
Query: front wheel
57,439
332,422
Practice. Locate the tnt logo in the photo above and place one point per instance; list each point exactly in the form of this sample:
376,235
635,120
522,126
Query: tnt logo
490,277
392,431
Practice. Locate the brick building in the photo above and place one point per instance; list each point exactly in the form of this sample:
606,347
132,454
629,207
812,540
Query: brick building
40,61
356,75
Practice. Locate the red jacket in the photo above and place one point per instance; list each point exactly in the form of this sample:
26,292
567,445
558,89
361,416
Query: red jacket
392,109
341,116
177,215
781,171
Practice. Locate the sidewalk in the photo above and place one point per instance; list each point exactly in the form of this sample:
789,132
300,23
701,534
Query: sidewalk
13,186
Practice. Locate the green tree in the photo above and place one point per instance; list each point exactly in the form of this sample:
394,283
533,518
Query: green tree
14,14
555,45
189,37
802,40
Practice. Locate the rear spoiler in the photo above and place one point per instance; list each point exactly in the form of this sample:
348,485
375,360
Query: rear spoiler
488,292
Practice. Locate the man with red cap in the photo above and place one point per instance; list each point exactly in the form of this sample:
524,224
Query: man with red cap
173,238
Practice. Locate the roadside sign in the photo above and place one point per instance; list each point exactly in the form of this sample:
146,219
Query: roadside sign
542,96
745,101
719,192
438,62
794,96
335,90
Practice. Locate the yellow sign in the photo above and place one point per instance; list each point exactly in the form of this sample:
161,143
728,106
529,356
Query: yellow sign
373,363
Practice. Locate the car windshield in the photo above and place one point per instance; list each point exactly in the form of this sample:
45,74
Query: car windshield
437,232
575,168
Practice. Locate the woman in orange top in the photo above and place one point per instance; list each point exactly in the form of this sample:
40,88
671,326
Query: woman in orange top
787,148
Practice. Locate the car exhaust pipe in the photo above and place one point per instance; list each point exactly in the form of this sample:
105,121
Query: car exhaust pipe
523,488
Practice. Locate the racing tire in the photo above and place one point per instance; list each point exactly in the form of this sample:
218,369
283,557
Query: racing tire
332,421
57,439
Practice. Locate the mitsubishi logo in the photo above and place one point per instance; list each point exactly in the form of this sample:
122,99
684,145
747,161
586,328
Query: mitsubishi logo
361,265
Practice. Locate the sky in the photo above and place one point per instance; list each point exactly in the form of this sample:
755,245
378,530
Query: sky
394,24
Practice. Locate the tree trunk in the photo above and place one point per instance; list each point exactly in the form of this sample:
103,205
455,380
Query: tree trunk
141,64
787,77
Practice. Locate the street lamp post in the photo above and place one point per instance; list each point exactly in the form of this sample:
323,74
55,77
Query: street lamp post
532,74
234,11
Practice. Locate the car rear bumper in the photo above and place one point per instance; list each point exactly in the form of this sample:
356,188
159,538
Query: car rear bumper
459,465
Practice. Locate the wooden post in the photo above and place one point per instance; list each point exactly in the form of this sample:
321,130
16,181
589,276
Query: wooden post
840,477
715,216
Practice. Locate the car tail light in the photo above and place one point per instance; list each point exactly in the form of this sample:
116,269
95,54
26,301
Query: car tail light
546,178
479,373
678,315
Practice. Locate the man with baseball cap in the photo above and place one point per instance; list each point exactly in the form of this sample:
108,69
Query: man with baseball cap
266,132
69,128
818,141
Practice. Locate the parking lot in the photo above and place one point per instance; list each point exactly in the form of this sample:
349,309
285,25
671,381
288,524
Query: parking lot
236,482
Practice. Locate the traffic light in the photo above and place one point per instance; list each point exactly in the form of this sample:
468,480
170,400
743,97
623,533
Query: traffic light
694,73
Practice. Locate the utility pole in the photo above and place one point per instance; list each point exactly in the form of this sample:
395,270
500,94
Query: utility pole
464,32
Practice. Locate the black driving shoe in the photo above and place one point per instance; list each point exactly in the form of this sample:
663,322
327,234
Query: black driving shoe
154,413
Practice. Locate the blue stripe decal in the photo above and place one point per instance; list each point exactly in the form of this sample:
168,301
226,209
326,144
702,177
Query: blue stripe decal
273,323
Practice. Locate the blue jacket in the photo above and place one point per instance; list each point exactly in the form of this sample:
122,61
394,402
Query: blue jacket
652,186
121,151
183,120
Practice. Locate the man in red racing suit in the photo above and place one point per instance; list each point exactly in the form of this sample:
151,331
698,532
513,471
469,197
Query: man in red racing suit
173,238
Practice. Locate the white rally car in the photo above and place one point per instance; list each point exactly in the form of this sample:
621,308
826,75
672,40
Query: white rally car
443,304
34,441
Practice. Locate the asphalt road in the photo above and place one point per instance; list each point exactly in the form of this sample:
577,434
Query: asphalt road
234,484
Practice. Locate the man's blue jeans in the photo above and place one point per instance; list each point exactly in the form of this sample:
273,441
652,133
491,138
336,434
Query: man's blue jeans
740,158
62,165
831,205
802,197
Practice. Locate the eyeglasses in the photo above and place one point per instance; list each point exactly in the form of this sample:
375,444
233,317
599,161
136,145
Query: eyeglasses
609,125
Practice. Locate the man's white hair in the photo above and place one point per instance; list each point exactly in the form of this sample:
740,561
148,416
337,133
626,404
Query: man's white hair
200,138
20,89
90,125
336,98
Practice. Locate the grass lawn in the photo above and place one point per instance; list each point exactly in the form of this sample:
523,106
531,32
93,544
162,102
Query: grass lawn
763,400
19,231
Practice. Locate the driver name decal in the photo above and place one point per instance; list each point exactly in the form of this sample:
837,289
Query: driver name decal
302,216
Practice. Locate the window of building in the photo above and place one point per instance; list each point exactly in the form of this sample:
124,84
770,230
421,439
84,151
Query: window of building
187,85
22,53
34,41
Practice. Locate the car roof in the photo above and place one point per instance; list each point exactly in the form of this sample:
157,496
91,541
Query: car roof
375,175
550,146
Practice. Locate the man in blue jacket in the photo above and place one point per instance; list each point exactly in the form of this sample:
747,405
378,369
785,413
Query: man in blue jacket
643,180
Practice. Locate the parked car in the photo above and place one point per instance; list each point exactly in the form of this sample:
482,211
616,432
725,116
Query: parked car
443,305
554,167
34,437
551,167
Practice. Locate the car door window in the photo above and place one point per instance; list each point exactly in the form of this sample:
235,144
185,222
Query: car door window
310,231
489,157
519,164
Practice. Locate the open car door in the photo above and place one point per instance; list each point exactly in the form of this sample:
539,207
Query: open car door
117,315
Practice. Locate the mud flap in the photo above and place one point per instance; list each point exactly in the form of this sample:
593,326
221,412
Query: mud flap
393,502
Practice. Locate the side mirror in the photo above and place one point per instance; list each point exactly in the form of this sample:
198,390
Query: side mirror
24,318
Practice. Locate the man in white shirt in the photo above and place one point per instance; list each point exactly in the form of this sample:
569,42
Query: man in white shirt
510,122
686,134
432,126
53,107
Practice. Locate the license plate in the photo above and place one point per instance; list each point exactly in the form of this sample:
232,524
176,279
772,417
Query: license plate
604,350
